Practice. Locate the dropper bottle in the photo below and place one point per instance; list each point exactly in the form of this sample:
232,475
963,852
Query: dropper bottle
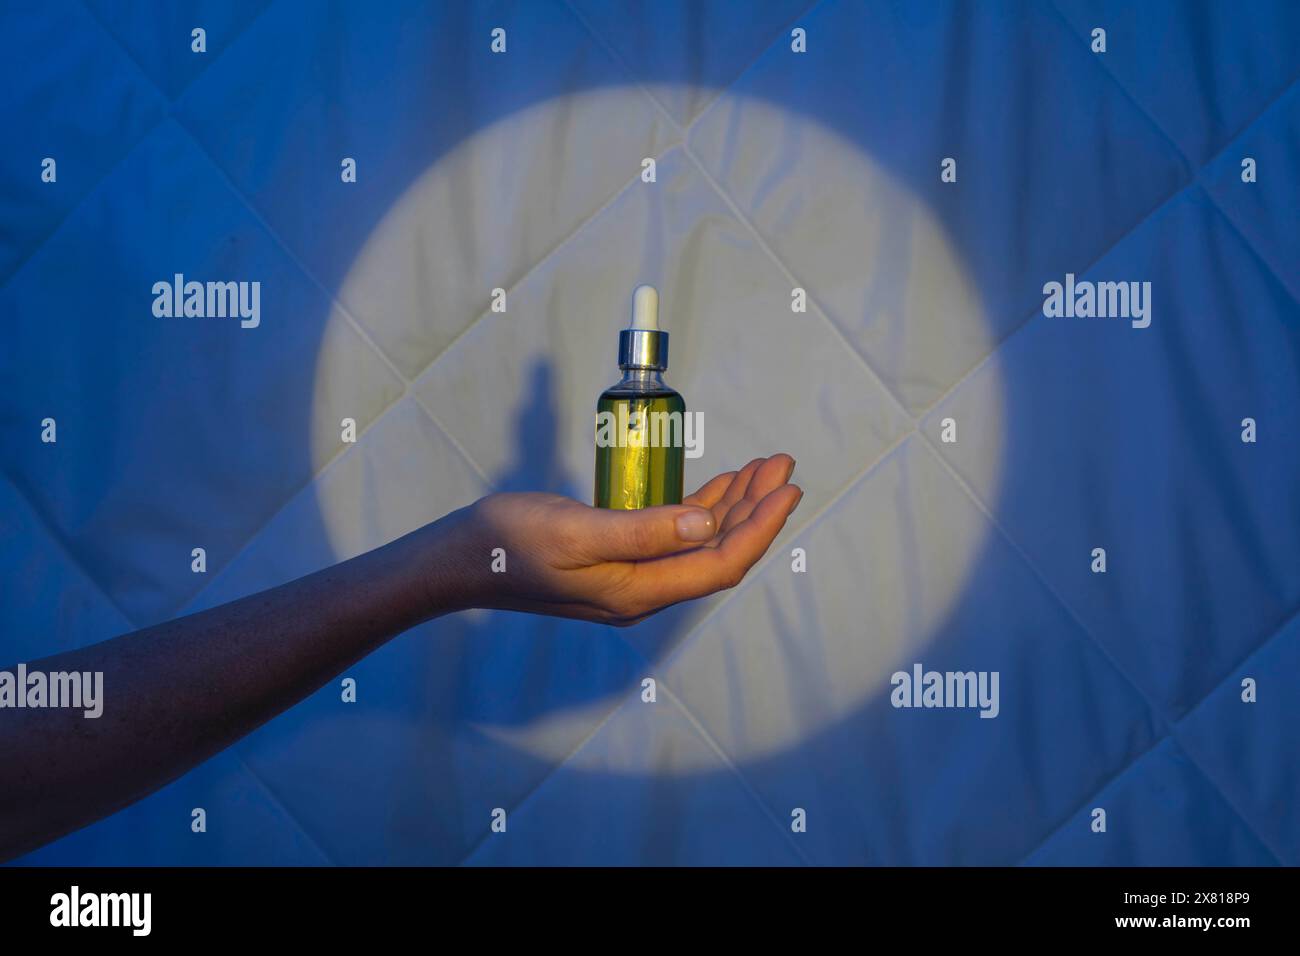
640,447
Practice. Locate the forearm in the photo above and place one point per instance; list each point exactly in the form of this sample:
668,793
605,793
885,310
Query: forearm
177,693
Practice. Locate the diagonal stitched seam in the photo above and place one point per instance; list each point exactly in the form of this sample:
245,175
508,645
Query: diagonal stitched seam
1150,214
853,350
686,711
339,452
659,668
545,258
619,703
1119,84
67,216
1174,726
1001,344
997,346
879,382
808,11
1162,719
694,721
289,812
278,240
719,92
695,629
408,386
1158,712
187,604
432,416
473,464
1250,246
730,764
1230,141
47,527
1193,181
1064,23
50,529
848,345
756,571
1178,728
1034,569
1171,733
1162,722
1105,252
740,217
1094,796
207,67
166,112
1287,621
1197,173
275,237
417,401
219,570
1155,712
726,198
302,267
284,245
866,364
1231,804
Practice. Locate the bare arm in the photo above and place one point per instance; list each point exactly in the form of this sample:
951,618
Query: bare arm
179,692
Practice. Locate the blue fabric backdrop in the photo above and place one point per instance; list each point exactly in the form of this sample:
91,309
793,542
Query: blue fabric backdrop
774,170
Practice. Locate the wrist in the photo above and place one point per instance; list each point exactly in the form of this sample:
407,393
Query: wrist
447,564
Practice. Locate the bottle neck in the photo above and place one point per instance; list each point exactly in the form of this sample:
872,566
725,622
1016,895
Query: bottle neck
641,379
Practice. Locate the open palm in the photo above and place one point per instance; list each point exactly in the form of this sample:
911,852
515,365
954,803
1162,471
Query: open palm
567,558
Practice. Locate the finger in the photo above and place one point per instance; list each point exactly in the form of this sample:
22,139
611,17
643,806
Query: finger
738,513
705,570
736,490
604,534
711,491
741,484
769,476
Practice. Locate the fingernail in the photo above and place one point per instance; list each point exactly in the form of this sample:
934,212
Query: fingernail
695,526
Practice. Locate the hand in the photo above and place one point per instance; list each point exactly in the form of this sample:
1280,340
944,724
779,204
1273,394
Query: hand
617,567
184,690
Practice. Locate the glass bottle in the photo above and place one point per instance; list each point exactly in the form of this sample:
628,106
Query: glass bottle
640,446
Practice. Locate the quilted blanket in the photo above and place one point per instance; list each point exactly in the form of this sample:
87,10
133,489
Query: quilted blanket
1015,283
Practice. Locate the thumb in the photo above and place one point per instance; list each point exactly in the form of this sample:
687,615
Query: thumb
648,532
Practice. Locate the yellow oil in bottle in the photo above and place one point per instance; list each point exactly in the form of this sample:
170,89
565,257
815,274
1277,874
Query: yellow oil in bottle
644,465
640,421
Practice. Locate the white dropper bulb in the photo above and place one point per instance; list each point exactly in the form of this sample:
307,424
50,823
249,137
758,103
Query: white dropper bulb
645,308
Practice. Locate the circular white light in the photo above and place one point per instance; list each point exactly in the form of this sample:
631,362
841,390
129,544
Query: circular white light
878,248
